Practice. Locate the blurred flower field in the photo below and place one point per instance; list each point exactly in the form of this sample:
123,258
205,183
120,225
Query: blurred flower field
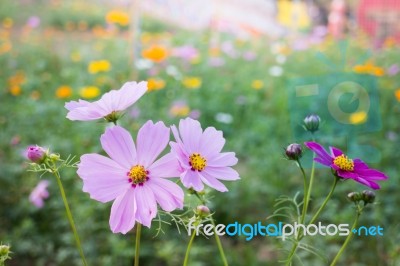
52,52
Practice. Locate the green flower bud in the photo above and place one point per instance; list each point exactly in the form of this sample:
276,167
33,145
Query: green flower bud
311,122
354,196
368,196
294,151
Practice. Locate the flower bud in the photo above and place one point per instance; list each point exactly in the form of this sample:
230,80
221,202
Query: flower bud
311,122
4,250
294,151
354,196
368,196
202,210
36,154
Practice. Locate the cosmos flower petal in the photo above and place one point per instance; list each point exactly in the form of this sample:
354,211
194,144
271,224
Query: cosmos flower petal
211,142
84,114
371,174
76,104
168,194
166,166
358,164
223,159
223,173
151,141
130,93
319,150
335,152
147,205
123,212
191,179
346,174
102,178
212,182
367,183
190,132
323,161
119,145
180,154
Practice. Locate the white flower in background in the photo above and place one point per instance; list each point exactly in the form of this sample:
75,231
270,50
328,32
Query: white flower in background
280,59
143,64
174,72
224,118
275,71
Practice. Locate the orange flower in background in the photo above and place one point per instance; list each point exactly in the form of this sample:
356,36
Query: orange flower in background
89,92
99,66
117,17
397,94
257,84
179,109
155,84
15,82
156,53
15,90
192,82
7,23
369,68
63,92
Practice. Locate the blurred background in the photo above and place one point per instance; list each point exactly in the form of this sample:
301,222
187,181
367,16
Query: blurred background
253,69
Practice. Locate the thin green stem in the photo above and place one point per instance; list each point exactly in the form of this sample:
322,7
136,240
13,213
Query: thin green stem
325,201
137,244
220,248
308,195
348,238
303,214
185,262
69,215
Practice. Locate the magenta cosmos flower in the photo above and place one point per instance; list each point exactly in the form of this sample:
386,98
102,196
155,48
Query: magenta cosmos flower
345,167
199,154
110,104
39,194
131,176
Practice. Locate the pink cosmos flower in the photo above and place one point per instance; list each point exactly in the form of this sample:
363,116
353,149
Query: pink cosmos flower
199,154
110,104
39,194
131,176
345,167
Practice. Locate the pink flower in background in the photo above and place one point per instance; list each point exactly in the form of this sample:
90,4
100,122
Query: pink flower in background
249,56
216,61
110,104
345,167
39,194
393,70
186,52
200,156
132,177
33,22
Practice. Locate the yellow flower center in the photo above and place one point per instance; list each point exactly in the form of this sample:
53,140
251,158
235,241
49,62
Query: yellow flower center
344,163
138,175
197,162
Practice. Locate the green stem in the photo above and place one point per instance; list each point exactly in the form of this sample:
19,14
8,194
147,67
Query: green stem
188,249
69,215
300,236
308,195
325,201
220,248
137,245
348,238
303,214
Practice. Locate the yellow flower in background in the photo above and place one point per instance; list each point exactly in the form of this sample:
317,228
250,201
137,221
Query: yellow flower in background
89,92
397,94
358,118
179,109
191,82
7,23
214,51
390,42
15,90
156,53
369,68
63,92
75,56
117,17
99,66
257,84
155,84
5,47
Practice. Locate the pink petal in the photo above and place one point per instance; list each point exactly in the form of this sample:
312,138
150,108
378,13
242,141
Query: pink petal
335,152
146,205
130,93
324,162
223,173
190,132
223,159
76,104
191,179
151,141
367,183
358,164
211,142
168,194
103,179
166,166
180,154
371,174
320,151
84,114
346,174
212,182
123,211
118,144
